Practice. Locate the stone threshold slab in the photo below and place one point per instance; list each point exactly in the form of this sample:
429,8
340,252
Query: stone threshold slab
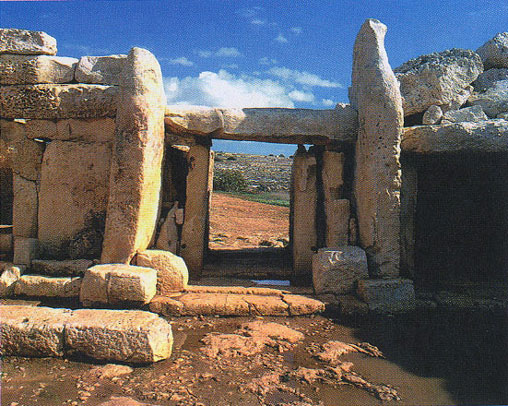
228,301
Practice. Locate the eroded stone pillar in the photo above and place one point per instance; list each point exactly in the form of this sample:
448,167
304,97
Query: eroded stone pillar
135,178
336,208
375,94
195,226
303,214
408,198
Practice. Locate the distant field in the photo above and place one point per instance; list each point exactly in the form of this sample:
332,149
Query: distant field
273,198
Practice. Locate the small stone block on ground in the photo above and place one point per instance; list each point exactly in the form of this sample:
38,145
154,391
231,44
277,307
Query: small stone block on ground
46,286
387,295
337,270
71,267
172,273
32,331
25,250
118,283
120,335
10,274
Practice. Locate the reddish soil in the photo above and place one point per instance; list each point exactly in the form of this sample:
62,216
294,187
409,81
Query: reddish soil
236,223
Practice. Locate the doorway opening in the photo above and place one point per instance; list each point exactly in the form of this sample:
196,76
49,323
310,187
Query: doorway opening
250,213
462,220
6,204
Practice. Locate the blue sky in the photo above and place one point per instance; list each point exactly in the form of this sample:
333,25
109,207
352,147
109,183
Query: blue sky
257,53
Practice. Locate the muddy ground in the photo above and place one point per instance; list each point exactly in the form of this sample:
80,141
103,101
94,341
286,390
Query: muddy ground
431,358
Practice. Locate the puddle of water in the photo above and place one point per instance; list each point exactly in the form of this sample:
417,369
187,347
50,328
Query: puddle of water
273,282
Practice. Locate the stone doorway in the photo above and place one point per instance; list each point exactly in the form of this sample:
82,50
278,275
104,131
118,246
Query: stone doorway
249,215
461,220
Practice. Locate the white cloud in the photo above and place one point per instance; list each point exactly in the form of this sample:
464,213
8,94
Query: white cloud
267,61
205,53
327,102
224,52
181,61
303,78
223,89
300,96
228,52
258,21
296,30
282,39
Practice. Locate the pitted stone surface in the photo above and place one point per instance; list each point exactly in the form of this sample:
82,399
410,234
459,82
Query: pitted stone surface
375,92
471,114
72,267
100,69
337,270
121,335
10,274
387,295
50,101
494,101
440,78
172,273
46,286
25,69
484,136
494,53
16,41
135,177
118,283
32,331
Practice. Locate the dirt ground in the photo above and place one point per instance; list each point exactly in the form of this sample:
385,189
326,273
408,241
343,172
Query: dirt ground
238,224
430,359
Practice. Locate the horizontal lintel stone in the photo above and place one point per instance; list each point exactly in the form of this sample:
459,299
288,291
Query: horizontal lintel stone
485,136
49,101
17,41
279,125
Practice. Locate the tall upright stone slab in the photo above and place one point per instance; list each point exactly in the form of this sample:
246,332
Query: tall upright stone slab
303,214
336,208
135,178
195,226
375,94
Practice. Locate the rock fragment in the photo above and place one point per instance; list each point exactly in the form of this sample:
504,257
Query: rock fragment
24,42
494,53
100,69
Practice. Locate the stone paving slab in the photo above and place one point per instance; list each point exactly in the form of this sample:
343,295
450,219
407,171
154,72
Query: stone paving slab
132,336
211,301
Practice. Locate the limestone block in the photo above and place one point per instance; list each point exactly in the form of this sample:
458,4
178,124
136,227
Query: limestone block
494,53
74,191
302,305
432,115
24,156
32,331
337,270
86,130
121,335
471,114
172,273
118,283
24,42
195,226
440,78
10,275
303,217
298,126
27,69
168,235
72,267
6,242
494,100
100,69
25,250
24,207
336,208
135,179
375,91
387,295
50,101
39,129
488,78
45,286
485,136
